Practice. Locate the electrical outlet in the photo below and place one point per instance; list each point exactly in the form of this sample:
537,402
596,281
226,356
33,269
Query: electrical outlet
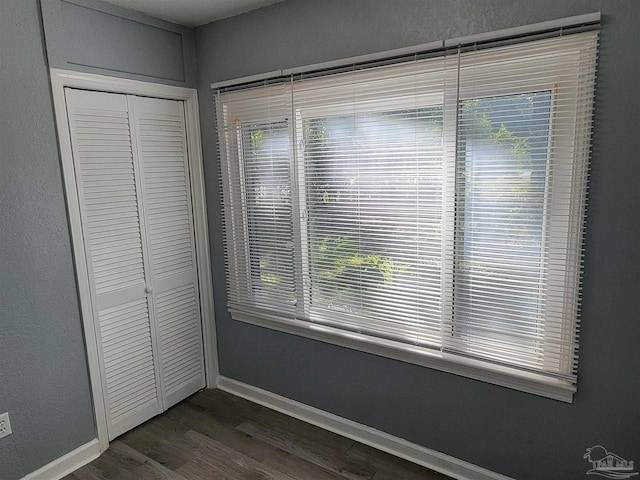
5,425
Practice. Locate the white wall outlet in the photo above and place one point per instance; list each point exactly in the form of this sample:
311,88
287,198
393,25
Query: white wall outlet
5,425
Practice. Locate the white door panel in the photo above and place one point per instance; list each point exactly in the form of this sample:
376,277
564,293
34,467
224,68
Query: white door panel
160,128
132,174
109,204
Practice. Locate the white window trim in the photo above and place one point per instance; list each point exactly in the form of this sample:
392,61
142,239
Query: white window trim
485,371
539,384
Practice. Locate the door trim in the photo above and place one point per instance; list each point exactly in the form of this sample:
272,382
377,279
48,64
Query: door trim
63,78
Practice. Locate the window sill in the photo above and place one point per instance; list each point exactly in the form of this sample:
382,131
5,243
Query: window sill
470,368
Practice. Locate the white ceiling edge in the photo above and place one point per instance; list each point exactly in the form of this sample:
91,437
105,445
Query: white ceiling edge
192,13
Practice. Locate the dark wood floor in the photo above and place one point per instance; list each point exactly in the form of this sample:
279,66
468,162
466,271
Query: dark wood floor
214,435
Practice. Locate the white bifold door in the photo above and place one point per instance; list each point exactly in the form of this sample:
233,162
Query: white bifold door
132,173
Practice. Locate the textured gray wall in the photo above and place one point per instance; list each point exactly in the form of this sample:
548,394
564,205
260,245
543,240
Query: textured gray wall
43,374
517,434
97,37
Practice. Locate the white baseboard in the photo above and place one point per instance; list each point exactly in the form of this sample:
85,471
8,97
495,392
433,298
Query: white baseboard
426,457
67,463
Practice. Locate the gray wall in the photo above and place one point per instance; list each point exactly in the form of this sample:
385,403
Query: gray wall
517,434
96,37
44,382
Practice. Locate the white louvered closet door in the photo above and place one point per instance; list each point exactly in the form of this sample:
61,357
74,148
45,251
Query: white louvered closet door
133,187
160,131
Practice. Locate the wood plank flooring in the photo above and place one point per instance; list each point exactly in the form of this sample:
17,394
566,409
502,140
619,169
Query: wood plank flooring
214,435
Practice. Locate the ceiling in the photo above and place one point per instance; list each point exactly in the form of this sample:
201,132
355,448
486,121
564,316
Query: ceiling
192,13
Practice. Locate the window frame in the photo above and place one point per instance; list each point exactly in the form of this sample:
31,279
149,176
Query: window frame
566,158
302,322
322,109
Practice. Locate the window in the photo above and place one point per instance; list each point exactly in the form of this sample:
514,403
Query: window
428,210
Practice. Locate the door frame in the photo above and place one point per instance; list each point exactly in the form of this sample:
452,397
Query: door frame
64,78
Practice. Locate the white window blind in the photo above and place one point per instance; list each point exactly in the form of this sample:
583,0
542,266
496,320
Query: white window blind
430,209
